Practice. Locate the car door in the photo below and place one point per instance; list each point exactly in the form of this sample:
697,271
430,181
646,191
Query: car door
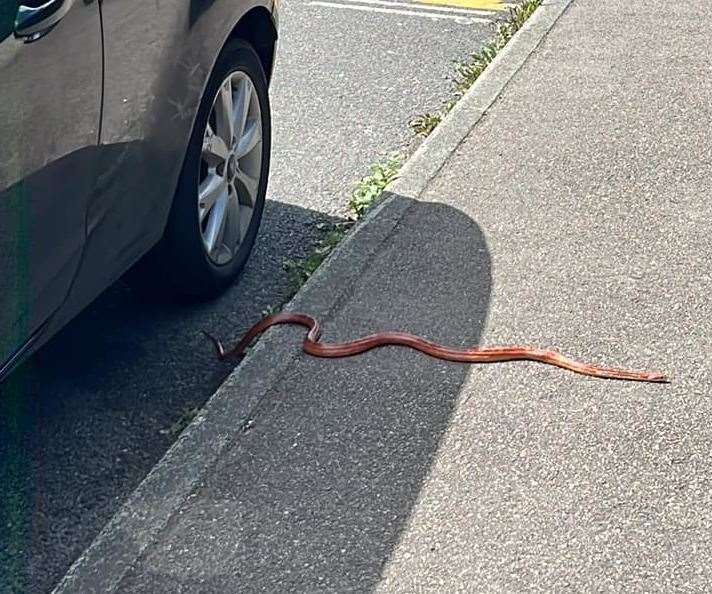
158,57
50,103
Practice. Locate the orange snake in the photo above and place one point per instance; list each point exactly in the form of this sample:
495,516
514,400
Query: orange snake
313,347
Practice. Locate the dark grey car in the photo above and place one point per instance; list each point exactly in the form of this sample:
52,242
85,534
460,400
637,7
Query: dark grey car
134,134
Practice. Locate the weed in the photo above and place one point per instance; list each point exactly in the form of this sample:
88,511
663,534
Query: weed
424,124
300,270
246,423
370,188
270,310
187,415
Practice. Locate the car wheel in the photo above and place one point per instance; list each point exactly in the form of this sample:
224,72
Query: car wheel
218,204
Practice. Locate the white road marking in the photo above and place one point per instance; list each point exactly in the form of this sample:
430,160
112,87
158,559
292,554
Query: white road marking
427,7
464,20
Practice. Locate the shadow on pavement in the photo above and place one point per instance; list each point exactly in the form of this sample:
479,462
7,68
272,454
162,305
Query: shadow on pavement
315,496
86,418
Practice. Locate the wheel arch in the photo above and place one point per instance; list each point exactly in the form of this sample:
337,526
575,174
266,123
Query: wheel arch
258,29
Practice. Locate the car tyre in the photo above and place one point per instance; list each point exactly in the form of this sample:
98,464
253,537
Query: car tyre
218,204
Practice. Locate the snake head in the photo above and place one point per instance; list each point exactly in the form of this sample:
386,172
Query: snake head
219,349
660,378
222,354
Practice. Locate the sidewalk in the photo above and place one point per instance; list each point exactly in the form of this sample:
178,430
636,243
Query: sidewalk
576,214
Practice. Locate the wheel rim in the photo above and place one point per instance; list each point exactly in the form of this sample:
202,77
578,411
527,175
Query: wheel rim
230,167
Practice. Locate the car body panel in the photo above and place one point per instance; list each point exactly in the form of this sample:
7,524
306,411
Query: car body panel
157,56
50,102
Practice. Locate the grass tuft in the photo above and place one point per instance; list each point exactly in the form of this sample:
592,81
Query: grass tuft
186,417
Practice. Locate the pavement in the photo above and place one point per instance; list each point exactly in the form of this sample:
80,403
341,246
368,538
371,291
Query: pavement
562,203
84,421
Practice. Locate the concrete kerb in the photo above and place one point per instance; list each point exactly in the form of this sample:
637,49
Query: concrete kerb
142,517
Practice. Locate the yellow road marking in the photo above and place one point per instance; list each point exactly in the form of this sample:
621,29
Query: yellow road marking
475,4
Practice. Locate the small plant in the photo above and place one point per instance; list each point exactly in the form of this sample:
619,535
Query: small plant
517,17
424,124
186,416
467,72
370,188
246,423
300,270
270,310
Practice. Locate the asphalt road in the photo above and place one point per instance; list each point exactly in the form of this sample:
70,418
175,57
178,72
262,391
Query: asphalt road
84,420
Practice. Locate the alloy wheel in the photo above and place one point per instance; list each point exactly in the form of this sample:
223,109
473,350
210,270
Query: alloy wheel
230,167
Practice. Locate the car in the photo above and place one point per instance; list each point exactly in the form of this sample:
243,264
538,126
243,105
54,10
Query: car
134,139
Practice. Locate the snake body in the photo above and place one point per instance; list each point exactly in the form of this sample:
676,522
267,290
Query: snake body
313,347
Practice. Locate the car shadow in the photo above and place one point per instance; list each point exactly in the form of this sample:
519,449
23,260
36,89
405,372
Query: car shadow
316,495
84,420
